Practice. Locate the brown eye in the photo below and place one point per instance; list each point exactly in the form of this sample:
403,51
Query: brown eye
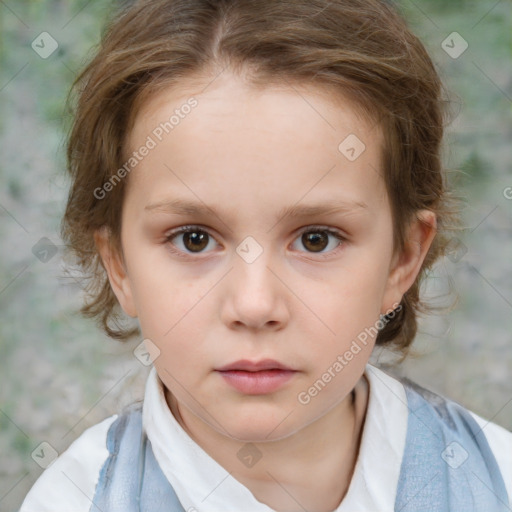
322,241
195,240
315,241
190,240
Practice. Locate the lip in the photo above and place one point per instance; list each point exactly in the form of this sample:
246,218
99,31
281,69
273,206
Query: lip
254,366
256,378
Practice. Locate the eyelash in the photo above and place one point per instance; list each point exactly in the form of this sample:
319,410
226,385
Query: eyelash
310,229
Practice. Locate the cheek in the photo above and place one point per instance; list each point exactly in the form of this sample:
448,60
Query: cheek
355,292
349,308
182,350
165,311
369,272
163,297
165,305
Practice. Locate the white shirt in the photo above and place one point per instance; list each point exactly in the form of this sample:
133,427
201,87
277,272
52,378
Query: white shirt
202,485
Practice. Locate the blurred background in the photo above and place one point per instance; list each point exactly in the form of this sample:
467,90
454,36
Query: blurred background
59,375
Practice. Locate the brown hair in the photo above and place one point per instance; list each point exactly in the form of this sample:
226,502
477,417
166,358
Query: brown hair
361,48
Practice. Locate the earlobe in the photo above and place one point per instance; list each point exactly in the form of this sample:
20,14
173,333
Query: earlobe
116,271
407,265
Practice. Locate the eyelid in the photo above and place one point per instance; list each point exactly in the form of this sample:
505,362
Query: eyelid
320,227
181,229
337,233
189,227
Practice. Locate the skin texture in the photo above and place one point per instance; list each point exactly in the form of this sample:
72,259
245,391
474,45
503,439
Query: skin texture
248,153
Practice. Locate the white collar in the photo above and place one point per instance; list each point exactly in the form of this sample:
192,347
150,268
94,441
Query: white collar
202,484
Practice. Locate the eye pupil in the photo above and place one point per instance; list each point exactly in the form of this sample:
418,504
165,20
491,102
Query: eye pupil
198,240
317,240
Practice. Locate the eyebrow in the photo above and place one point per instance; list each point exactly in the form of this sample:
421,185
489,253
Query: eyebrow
185,207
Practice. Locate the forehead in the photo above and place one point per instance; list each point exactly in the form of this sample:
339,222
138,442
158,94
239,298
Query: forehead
288,138
228,89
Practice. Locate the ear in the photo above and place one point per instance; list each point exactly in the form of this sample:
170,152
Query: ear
406,265
116,271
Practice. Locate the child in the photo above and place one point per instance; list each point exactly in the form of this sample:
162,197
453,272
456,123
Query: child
259,184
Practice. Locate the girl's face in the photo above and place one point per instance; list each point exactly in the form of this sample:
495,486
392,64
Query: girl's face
256,227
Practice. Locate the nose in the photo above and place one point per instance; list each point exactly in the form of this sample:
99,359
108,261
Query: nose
255,297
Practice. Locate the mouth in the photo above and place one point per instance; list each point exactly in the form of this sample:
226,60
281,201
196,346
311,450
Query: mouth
254,366
256,378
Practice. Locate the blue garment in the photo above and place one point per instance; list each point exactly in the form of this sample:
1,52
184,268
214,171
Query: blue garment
131,479
447,465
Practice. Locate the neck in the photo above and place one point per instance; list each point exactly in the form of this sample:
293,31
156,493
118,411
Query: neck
312,468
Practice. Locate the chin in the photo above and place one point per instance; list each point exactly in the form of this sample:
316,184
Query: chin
255,435
258,426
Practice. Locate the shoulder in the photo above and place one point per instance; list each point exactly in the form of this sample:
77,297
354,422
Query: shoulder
500,442
456,418
68,484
